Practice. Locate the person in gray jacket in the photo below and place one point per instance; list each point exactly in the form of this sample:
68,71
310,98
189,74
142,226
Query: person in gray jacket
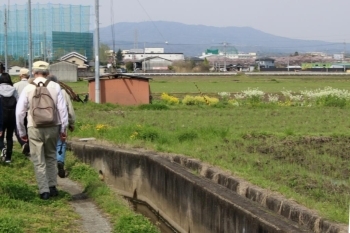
23,75
9,97
1,119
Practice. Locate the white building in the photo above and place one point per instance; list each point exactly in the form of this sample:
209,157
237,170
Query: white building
140,54
14,70
76,59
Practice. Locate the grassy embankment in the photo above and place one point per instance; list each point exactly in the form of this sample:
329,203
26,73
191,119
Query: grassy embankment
298,150
21,209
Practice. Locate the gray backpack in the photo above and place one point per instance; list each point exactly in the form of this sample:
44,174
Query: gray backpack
43,108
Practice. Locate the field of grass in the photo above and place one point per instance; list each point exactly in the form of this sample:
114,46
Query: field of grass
21,209
185,84
301,152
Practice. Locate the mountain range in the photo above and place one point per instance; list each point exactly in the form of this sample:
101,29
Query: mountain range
193,40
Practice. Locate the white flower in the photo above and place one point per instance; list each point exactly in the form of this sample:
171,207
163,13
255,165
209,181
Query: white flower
272,98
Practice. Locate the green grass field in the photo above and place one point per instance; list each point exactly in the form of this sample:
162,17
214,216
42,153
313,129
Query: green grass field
175,84
301,152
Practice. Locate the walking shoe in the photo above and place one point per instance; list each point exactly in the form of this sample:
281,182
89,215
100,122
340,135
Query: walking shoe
25,149
8,161
53,191
45,196
61,171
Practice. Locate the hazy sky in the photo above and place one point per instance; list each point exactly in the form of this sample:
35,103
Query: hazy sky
326,20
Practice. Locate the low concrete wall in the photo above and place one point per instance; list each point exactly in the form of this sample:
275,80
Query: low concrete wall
189,202
270,200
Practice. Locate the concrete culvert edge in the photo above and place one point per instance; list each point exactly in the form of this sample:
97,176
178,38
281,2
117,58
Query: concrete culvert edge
138,166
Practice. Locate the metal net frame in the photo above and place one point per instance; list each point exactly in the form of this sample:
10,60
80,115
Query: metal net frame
46,19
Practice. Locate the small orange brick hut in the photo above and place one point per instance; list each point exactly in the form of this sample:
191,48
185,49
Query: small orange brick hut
122,89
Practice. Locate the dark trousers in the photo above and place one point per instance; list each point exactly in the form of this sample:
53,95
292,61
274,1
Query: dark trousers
8,129
21,142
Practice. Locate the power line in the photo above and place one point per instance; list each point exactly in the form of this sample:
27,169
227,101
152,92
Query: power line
151,20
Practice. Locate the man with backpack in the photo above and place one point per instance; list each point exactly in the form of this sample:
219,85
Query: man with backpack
47,120
8,96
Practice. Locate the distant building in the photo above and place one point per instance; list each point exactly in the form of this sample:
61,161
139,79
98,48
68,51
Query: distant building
152,64
338,57
14,70
65,71
321,54
139,54
228,52
75,58
265,62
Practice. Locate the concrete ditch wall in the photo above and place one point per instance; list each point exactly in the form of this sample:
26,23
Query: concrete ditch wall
191,203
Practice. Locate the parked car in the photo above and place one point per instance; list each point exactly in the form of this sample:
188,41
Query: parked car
121,70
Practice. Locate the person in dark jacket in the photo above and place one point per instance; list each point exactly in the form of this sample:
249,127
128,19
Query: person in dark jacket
7,94
1,119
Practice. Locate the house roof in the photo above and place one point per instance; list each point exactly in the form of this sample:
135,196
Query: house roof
265,59
70,63
73,54
120,75
193,59
150,58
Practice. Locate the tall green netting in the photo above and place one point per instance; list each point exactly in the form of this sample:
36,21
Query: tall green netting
63,24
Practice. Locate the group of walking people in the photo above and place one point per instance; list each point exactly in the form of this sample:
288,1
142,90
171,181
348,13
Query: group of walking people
39,112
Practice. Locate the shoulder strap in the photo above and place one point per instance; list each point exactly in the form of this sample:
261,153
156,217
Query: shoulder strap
43,83
46,82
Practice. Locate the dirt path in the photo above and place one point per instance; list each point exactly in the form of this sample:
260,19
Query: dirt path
92,220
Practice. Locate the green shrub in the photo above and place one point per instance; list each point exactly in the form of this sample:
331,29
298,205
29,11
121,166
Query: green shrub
199,100
168,99
331,101
153,107
187,136
134,224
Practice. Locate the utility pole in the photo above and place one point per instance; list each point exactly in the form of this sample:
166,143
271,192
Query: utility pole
44,49
97,51
144,57
6,25
225,56
30,55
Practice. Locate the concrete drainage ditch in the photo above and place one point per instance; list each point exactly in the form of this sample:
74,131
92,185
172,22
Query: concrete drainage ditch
192,197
